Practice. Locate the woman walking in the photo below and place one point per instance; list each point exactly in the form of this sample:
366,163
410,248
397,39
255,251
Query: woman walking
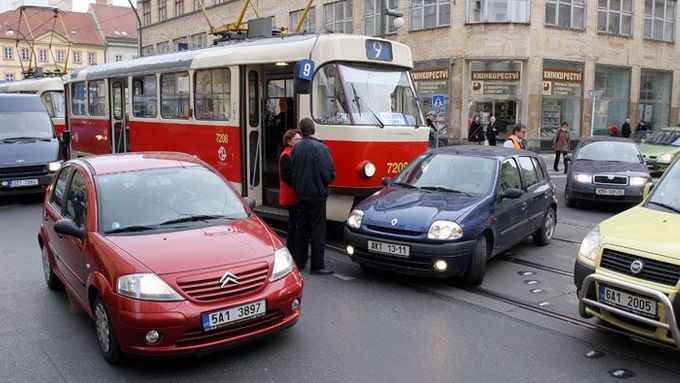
476,132
561,144
287,196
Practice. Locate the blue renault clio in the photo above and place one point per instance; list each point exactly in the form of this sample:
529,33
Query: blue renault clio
451,210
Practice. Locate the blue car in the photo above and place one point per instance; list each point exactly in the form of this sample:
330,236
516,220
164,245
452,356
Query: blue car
451,210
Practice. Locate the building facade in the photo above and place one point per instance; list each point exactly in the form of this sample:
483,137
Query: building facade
529,61
117,27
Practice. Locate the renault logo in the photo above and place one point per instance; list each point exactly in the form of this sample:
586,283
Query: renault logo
394,222
636,266
228,277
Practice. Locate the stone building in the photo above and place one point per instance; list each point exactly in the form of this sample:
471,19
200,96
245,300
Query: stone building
117,27
525,61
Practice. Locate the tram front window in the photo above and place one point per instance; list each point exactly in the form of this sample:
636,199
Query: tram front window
352,94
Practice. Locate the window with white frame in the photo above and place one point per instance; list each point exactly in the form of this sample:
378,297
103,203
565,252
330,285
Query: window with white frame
25,54
8,53
42,55
660,20
372,17
119,58
339,16
566,13
427,14
498,11
309,24
9,77
77,57
179,7
163,47
91,58
147,50
61,56
615,16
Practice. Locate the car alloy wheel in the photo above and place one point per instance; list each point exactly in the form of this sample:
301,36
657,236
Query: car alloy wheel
550,224
52,281
544,234
102,324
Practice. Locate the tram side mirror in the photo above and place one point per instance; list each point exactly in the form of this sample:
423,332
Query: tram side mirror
386,180
648,189
65,138
250,201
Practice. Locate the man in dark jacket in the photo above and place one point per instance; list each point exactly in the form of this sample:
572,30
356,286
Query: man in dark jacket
313,171
492,131
625,129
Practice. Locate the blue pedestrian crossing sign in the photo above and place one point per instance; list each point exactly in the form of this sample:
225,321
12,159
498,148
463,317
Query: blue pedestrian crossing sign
438,101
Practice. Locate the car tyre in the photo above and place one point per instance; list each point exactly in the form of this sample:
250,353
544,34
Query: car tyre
544,234
53,282
569,201
108,343
474,275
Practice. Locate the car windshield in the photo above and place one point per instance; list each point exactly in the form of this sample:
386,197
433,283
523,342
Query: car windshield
352,94
610,151
667,192
150,198
664,137
449,172
25,125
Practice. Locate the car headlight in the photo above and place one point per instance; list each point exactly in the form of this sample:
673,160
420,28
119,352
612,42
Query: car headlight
146,286
583,178
369,169
638,181
54,166
668,158
283,264
590,245
443,230
354,219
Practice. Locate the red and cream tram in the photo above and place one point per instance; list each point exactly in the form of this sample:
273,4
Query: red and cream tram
230,105
50,90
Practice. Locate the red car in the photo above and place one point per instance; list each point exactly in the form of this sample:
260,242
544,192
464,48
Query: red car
165,255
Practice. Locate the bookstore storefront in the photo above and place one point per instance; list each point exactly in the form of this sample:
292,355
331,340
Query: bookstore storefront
562,98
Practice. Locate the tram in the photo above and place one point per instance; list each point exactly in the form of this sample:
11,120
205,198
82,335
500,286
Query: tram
231,104
50,90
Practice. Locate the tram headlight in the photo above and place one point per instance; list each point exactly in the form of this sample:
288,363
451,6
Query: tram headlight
368,169
354,219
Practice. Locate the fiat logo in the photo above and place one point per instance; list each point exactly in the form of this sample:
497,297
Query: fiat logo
394,222
636,266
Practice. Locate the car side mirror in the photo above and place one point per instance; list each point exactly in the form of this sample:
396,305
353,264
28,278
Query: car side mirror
648,189
65,138
567,158
66,226
511,193
250,201
386,180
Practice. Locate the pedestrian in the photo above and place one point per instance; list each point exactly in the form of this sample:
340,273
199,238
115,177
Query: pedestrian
625,128
287,196
561,144
476,131
432,139
516,139
442,132
492,131
641,126
613,130
313,172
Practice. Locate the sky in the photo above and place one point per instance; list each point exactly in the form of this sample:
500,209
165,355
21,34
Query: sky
81,5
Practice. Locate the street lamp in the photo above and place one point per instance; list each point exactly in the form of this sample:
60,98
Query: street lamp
386,12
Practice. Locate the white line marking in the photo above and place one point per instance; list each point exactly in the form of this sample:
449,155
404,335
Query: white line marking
343,277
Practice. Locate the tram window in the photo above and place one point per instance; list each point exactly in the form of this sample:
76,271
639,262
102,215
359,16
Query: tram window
78,97
175,95
97,98
212,94
144,96
253,99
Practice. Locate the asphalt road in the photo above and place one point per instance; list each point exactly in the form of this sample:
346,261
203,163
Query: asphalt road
354,326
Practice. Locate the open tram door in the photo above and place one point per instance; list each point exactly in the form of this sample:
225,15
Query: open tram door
119,128
252,132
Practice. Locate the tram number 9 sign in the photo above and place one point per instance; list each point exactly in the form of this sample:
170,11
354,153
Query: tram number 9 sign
306,70
378,50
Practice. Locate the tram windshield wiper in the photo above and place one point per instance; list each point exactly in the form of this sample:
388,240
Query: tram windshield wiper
357,100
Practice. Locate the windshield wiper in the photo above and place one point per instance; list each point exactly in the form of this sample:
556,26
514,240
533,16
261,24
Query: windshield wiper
193,218
667,206
21,138
444,188
359,102
131,229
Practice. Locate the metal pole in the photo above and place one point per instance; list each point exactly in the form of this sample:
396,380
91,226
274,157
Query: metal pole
592,119
382,21
139,30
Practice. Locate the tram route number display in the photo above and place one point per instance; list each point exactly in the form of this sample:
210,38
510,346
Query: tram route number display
396,167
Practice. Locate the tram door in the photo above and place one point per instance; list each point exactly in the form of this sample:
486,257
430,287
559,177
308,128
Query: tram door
119,128
253,132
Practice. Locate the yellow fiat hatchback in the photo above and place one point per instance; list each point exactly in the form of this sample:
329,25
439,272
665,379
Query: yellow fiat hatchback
627,272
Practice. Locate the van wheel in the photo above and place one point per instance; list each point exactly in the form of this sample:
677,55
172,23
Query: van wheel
108,344
477,267
544,234
51,279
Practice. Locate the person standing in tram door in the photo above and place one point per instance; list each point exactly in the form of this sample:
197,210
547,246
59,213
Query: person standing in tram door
492,131
287,196
313,172
476,131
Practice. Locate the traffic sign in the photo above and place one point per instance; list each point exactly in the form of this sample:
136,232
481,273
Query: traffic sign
595,94
438,100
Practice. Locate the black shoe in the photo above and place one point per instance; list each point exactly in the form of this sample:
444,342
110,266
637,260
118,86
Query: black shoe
322,271
556,169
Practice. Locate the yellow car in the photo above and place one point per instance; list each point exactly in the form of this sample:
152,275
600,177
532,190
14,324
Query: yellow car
627,272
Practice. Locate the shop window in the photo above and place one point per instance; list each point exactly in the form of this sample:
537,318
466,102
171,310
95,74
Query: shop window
78,98
96,97
655,98
615,16
144,96
562,97
660,20
212,94
427,14
175,95
612,109
338,17
308,25
566,13
498,11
